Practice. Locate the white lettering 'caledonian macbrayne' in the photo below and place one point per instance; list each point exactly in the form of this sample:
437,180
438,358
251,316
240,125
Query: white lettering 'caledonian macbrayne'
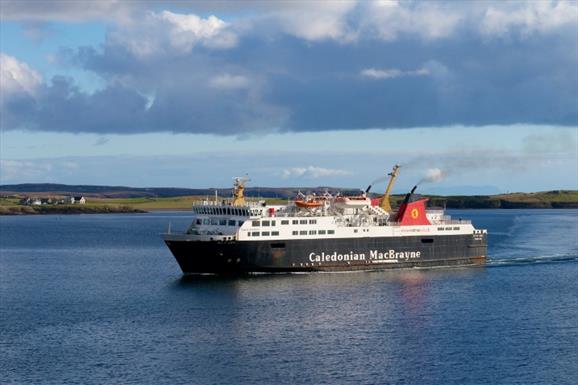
390,255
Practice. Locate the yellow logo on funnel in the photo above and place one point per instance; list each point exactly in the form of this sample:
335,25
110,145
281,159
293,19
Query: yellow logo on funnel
414,213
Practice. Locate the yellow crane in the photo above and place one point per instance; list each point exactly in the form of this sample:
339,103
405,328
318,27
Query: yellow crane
384,204
239,191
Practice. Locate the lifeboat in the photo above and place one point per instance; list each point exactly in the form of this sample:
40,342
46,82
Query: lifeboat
353,201
308,204
309,201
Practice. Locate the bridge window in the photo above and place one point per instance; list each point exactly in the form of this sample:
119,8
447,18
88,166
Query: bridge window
223,222
214,222
232,222
206,221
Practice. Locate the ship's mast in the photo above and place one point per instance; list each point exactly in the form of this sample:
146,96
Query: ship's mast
384,204
239,190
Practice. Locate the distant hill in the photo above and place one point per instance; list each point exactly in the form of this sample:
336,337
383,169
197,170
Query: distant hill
556,199
547,199
157,192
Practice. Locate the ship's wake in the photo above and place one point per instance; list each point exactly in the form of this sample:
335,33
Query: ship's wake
532,260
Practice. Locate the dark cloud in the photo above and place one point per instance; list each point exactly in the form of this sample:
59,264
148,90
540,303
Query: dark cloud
279,82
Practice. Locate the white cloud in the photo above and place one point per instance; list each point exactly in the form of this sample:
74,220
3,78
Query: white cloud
342,21
551,142
35,170
159,32
390,73
187,30
312,172
428,20
17,170
316,20
65,10
17,77
528,17
227,81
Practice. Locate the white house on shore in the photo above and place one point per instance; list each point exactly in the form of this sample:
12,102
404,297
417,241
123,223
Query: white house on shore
77,200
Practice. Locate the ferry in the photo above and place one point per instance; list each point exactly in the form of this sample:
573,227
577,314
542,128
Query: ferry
322,233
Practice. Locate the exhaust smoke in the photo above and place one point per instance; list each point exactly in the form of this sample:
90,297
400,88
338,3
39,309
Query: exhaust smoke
433,175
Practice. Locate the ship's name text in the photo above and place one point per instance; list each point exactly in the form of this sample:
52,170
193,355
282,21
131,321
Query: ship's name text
390,254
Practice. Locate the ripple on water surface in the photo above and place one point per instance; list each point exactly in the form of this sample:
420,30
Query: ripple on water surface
99,299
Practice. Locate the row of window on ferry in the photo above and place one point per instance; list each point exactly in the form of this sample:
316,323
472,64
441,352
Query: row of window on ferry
284,222
221,211
302,232
218,222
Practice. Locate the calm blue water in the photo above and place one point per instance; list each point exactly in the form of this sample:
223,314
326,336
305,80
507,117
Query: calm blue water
98,299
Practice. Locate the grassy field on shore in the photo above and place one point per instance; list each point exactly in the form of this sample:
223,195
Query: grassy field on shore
550,199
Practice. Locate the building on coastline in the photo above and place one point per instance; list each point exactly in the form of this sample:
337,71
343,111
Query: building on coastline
77,200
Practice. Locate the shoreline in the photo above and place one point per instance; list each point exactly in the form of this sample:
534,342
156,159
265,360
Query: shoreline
132,210
68,210
11,204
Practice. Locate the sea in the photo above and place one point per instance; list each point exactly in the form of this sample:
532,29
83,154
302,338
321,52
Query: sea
98,299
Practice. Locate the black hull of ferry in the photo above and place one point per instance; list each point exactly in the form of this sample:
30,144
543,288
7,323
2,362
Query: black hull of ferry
345,254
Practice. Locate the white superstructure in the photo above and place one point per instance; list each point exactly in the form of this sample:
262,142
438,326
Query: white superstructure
221,220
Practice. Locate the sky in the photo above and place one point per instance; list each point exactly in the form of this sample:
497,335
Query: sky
292,93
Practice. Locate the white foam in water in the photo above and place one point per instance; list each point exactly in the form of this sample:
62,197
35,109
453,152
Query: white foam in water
532,260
